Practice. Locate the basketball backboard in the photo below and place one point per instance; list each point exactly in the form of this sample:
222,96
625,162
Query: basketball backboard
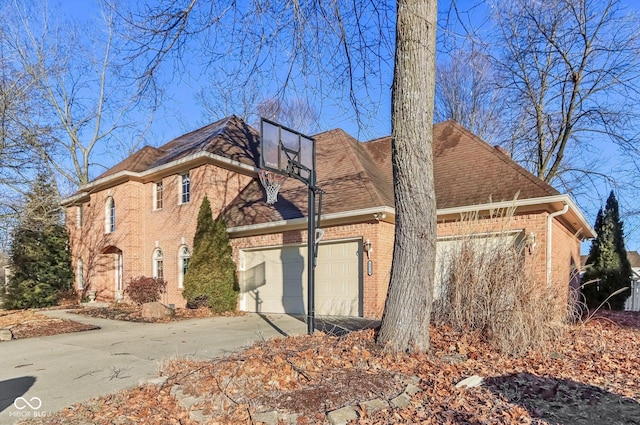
286,151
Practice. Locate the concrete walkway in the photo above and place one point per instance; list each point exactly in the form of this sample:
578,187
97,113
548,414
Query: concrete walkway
42,375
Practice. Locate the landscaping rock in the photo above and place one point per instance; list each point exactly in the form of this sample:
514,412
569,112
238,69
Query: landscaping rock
412,390
342,416
288,418
156,310
268,418
155,381
374,405
6,335
470,382
198,416
401,401
415,380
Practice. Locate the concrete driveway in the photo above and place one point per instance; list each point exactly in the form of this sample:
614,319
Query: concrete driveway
42,375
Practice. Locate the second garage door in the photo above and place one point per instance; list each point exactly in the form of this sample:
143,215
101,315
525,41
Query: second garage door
275,280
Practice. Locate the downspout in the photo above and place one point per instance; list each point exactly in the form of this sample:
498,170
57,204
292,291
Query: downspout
549,236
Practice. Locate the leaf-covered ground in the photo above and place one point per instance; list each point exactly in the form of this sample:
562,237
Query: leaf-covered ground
29,324
592,376
133,313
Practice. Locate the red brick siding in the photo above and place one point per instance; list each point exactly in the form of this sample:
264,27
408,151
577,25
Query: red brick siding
565,257
140,228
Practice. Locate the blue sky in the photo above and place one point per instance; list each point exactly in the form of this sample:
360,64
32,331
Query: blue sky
181,111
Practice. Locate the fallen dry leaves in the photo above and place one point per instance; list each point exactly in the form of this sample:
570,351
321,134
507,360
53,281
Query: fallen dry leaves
591,377
133,313
29,324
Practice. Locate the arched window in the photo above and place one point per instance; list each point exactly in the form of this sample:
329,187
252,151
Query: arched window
110,216
158,264
186,189
183,263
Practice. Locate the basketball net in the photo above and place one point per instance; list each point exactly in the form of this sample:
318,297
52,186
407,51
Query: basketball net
271,182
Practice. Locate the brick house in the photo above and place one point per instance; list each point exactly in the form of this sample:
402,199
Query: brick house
139,217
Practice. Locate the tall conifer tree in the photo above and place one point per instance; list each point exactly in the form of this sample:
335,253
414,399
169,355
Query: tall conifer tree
607,263
211,278
40,258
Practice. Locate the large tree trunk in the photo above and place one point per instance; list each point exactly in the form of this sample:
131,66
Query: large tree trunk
405,322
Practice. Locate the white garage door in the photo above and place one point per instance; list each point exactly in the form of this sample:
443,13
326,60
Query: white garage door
447,247
275,280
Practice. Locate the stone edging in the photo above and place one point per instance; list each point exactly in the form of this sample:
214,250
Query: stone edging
6,334
335,417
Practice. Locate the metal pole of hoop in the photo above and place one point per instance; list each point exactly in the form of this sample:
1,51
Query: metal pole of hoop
314,236
311,246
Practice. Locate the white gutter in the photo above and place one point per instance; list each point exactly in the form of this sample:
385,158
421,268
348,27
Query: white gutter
564,199
550,218
373,212
82,191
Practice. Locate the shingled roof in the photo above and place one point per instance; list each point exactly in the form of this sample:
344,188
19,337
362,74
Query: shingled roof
352,175
230,137
468,171
348,176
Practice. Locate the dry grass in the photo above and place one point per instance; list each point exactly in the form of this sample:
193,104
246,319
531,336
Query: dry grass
486,289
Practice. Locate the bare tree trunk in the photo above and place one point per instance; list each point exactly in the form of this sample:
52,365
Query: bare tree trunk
405,322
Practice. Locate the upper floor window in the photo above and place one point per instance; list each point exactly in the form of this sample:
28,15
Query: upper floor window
158,196
183,262
110,215
79,216
158,264
186,189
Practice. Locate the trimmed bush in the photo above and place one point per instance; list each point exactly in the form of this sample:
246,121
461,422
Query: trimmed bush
144,289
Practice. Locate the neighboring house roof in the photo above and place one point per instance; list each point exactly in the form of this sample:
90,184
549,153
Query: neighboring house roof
634,258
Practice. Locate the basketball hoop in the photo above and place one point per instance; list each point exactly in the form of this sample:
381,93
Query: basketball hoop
271,182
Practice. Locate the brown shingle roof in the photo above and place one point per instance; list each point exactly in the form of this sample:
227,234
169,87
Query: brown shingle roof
348,176
230,138
353,175
468,171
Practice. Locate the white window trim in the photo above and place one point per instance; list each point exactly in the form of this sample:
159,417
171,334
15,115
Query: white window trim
182,192
80,274
79,217
158,255
109,215
181,258
155,196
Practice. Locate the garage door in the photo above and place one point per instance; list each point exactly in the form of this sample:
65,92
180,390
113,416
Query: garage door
447,247
275,280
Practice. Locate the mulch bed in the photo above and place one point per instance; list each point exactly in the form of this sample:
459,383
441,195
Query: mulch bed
133,313
31,324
